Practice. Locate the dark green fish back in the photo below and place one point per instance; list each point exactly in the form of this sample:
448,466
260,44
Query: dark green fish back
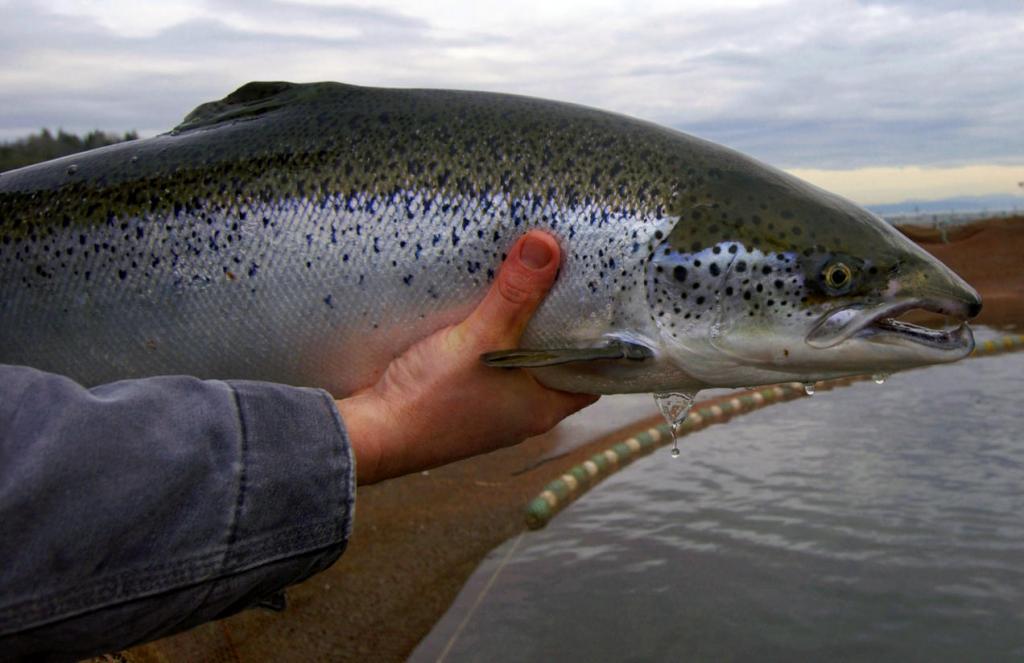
312,140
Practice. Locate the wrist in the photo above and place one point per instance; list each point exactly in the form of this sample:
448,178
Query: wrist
361,414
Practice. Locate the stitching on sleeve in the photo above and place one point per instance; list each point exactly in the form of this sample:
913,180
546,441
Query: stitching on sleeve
348,501
244,460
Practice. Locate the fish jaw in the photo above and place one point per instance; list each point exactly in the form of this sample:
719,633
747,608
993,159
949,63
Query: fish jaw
879,324
854,338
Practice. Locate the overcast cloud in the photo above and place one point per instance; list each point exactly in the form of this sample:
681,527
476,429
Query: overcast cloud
800,84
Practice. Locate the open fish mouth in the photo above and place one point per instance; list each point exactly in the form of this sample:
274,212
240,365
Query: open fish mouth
879,323
955,337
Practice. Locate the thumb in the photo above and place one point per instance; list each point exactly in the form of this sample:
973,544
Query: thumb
523,280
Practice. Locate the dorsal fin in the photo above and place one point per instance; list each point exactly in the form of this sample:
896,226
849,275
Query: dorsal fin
250,100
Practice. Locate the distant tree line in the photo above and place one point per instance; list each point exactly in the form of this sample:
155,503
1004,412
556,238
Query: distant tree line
44,145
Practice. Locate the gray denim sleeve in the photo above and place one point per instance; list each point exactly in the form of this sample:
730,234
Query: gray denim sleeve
141,508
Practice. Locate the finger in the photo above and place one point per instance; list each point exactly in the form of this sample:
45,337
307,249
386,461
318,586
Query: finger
523,280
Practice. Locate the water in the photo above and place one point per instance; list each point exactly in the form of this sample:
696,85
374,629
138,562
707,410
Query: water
867,523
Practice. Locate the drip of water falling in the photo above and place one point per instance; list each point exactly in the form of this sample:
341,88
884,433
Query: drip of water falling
809,388
879,378
674,406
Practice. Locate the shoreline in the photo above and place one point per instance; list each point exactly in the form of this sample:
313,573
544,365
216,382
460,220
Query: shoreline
418,538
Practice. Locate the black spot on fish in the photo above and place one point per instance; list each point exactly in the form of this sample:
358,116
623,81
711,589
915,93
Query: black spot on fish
778,283
747,295
715,271
741,266
766,270
700,300
329,300
729,291
407,279
679,273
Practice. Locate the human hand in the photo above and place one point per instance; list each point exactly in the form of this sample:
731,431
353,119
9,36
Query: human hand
438,403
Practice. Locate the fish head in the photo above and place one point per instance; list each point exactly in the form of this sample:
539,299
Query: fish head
766,278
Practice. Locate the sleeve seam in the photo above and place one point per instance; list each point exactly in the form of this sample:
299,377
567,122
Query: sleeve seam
243,460
348,502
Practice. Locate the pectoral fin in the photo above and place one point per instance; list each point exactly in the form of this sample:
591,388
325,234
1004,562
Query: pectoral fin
526,358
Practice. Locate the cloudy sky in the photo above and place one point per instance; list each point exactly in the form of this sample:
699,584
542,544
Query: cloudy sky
881,100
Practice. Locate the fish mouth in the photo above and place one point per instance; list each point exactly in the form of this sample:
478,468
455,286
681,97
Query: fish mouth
879,324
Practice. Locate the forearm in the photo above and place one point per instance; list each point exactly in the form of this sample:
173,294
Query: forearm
140,508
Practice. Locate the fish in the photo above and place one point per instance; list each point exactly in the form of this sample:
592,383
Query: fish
308,234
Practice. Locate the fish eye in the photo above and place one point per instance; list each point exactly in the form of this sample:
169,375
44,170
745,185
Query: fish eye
838,277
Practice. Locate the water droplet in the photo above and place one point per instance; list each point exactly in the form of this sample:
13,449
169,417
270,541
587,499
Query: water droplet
879,378
809,388
72,169
674,406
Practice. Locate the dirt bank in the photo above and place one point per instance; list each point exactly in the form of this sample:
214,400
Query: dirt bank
418,538
990,256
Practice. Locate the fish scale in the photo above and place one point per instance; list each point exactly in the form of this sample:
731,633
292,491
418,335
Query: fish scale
310,233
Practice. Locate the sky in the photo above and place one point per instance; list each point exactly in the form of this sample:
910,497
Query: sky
878,100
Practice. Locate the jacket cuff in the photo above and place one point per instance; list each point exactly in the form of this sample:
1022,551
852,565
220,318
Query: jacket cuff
291,464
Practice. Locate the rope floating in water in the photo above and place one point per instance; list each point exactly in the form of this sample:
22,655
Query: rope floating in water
579,479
